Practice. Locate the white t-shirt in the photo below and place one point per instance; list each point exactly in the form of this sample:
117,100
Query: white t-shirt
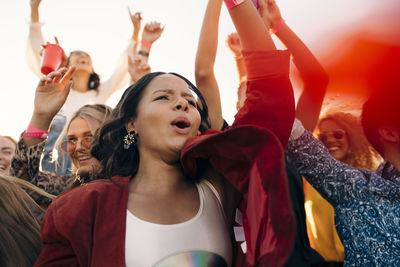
203,237
76,99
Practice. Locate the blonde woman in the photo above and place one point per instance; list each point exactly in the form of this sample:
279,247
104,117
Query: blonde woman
78,134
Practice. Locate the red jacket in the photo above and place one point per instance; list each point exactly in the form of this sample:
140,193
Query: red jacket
86,226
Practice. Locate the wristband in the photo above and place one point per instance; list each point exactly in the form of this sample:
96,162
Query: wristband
143,53
274,29
232,3
146,44
33,132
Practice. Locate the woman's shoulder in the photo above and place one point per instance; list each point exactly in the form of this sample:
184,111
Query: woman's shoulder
97,189
81,205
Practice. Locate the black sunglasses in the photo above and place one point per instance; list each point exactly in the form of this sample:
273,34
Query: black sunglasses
337,134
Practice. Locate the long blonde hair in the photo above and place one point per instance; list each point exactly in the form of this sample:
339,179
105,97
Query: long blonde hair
20,242
361,154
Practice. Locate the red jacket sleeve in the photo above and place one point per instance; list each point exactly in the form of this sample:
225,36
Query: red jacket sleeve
250,156
269,95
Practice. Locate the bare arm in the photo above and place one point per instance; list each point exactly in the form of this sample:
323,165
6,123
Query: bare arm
205,59
314,77
50,96
245,17
35,39
151,32
35,10
233,42
136,22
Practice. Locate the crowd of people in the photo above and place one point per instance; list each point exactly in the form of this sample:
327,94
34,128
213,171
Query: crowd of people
162,179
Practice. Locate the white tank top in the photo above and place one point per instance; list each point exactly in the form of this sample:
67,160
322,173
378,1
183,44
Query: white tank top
204,238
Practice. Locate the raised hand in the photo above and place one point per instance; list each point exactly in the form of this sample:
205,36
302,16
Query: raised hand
51,94
136,20
35,3
233,42
35,10
137,67
152,31
269,12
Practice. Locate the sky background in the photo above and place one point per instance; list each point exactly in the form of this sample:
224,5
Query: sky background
103,28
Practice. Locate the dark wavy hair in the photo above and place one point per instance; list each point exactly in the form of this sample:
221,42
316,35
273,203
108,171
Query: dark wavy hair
94,78
381,109
108,145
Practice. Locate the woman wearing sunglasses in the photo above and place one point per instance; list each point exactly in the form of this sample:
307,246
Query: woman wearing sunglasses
78,133
343,136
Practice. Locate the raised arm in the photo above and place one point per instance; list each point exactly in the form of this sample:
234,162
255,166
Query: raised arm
336,181
269,95
313,75
233,42
35,39
151,32
137,67
120,77
136,22
205,59
50,96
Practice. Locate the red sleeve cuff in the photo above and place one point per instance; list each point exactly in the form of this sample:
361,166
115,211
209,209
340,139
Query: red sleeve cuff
266,64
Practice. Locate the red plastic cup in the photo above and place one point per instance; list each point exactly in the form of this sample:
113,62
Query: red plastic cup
52,57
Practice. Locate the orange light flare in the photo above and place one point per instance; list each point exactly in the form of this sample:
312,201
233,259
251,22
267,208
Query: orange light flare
362,61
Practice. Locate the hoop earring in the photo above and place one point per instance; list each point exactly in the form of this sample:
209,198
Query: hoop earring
129,139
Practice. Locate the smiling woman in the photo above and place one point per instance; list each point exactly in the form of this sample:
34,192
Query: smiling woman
342,134
78,133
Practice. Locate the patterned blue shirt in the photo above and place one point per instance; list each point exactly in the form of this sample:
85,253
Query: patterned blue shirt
367,204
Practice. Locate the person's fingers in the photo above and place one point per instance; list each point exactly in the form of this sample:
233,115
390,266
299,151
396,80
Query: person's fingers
57,77
129,11
68,75
263,3
130,61
67,88
53,74
44,80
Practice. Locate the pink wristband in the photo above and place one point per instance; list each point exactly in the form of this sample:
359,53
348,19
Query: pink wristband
232,3
146,44
33,132
274,29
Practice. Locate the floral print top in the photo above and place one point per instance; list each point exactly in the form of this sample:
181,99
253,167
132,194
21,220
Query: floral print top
367,204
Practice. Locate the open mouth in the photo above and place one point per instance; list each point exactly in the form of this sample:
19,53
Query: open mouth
181,123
